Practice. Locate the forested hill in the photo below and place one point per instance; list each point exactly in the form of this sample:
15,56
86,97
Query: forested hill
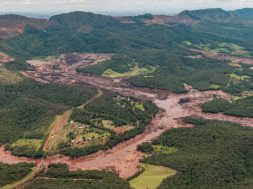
12,25
218,14
79,19
207,14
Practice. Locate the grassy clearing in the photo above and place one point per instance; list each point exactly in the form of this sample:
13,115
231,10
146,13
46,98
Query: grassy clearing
77,135
108,124
188,43
226,48
8,77
164,149
244,95
239,78
28,143
134,71
235,65
87,136
215,87
152,177
139,106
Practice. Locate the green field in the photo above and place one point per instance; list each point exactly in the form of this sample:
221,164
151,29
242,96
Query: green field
151,177
134,71
227,48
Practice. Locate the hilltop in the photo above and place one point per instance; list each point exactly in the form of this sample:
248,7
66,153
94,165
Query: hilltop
13,25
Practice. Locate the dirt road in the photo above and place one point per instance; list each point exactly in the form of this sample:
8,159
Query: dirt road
57,125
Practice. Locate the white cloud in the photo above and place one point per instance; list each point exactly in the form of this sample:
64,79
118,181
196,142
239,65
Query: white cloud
164,6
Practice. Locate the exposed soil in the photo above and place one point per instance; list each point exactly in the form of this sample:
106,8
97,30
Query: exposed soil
56,127
158,19
124,158
13,25
4,58
221,56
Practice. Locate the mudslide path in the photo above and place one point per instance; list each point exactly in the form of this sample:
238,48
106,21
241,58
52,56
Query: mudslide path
124,158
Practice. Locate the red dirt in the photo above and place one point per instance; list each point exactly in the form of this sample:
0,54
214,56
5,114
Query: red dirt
159,19
13,25
4,58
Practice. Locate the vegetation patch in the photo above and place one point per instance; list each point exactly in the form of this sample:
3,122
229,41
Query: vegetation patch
215,87
31,143
164,149
239,78
235,65
13,173
26,147
9,77
58,176
226,48
241,107
213,154
102,121
28,108
151,177
134,71
140,106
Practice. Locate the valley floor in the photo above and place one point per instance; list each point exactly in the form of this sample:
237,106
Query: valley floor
124,158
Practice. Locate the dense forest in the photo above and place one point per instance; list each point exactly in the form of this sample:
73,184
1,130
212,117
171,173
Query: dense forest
28,109
213,154
58,176
164,50
241,107
12,173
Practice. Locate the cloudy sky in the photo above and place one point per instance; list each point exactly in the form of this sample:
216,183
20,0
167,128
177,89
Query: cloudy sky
118,6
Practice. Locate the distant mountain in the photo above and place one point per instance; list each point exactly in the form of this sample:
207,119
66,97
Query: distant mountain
244,13
77,20
12,25
149,19
208,14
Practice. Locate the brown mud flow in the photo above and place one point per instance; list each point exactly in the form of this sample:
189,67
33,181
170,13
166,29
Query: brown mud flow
124,158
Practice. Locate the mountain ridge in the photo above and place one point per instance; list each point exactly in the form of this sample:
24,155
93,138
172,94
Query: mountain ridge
12,25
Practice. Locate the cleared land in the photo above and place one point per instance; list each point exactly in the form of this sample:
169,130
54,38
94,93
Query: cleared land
6,76
56,128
